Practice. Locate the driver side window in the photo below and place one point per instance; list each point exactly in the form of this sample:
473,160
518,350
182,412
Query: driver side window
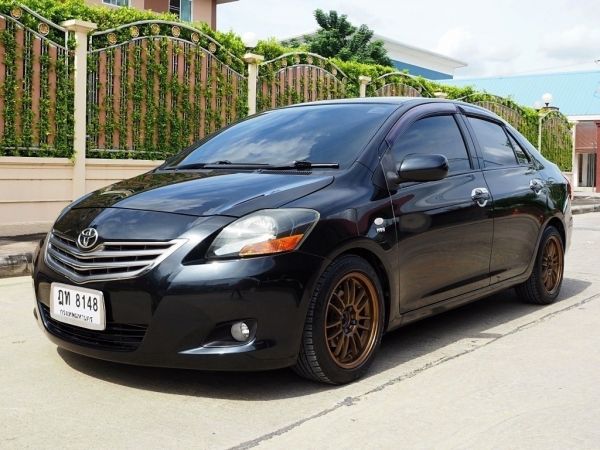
434,135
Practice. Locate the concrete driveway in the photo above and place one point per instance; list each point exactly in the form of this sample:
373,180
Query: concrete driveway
494,374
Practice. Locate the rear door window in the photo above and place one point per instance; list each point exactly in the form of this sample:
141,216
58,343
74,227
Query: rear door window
522,156
494,143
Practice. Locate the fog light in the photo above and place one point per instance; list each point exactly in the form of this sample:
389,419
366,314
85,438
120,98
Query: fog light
240,331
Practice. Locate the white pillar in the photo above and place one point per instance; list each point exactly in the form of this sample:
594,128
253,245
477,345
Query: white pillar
253,61
80,30
584,170
574,164
364,81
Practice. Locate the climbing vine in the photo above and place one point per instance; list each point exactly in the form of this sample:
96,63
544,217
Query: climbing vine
296,77
36,117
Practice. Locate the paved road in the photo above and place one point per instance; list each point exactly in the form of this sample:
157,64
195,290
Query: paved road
494,374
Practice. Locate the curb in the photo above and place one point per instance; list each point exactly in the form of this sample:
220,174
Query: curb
16,265
583,209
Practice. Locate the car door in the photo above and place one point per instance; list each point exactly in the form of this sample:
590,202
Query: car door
518,191
444,227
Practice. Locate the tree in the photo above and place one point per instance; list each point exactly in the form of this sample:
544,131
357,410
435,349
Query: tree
338,38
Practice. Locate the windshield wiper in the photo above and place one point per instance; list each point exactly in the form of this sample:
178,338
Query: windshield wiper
295,165
202,165
305,165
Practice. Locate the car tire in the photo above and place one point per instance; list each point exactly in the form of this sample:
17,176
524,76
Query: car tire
543,286
344,323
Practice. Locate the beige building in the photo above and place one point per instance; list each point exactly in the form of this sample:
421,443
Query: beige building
189,10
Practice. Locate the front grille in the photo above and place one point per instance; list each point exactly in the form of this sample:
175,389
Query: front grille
110,260
116,337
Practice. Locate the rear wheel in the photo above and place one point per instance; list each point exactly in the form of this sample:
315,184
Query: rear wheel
344,323
543,286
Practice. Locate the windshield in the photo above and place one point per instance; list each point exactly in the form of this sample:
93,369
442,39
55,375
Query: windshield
319,134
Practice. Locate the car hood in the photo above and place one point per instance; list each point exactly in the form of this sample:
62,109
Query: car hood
206,193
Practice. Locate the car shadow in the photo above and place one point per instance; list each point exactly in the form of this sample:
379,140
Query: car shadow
407,343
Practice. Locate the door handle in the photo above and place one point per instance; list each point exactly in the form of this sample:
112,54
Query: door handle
536,185
480,196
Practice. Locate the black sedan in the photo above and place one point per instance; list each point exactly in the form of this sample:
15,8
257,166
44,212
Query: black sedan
299,236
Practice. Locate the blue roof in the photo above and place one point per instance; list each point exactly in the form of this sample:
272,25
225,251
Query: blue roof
575,93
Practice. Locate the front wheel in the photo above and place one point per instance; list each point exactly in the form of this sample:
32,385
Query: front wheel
543,286
344,323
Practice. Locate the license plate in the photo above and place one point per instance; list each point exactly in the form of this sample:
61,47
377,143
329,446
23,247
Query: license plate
77,306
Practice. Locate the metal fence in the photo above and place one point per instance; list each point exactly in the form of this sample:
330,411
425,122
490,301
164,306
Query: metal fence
36,89
156,87
297,78
399,84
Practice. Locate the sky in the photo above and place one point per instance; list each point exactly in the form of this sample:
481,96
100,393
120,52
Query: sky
503,37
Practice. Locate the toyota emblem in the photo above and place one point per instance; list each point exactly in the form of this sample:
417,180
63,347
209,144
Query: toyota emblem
87,239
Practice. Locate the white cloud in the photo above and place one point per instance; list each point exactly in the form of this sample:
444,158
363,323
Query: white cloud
457,43
484,58
576,43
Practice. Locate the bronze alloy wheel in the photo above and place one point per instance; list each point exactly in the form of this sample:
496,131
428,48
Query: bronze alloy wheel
352,320
552,264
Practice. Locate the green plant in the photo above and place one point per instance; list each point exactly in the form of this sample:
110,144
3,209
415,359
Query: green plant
338,38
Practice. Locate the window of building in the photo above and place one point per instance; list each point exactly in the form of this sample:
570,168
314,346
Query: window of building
116,2
181,8
494,143
434,135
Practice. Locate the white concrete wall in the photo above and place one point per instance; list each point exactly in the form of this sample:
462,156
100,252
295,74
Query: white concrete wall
33,191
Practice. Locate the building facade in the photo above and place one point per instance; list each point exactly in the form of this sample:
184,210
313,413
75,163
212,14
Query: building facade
188,10
418,61
577,94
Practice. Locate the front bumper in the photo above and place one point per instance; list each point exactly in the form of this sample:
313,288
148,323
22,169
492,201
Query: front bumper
167,317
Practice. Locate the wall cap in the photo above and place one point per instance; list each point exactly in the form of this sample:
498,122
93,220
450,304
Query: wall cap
252,58
77,25
35,160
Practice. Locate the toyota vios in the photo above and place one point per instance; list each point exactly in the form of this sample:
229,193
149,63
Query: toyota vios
298,237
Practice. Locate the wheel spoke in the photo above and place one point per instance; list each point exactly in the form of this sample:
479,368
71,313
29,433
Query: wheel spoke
335,324
362,301
339,297
343,348
334,335
350,294
339,345
336,309
357,344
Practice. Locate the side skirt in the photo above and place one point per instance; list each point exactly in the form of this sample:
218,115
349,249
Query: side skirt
455,302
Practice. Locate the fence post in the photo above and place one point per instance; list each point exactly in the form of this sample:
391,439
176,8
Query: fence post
539,137
80,30
363,80
253,61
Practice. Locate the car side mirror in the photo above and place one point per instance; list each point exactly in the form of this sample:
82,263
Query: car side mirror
423,168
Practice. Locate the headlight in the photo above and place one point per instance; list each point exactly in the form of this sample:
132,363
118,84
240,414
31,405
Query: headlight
264,233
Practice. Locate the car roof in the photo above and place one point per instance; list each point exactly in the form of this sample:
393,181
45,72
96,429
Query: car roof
405,102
